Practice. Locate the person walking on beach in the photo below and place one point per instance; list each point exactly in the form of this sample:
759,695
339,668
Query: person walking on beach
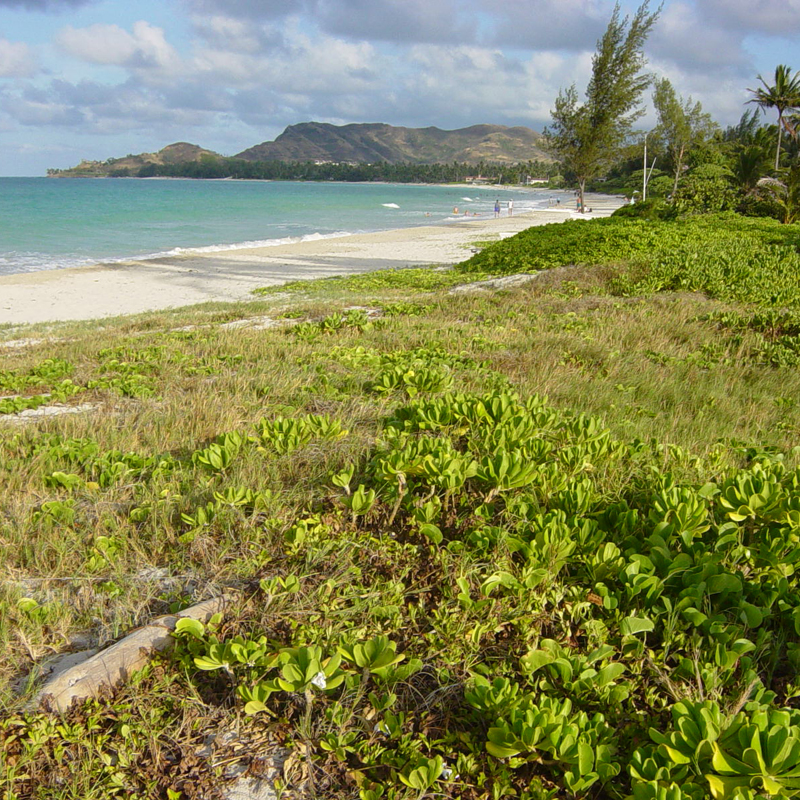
510,208
496,209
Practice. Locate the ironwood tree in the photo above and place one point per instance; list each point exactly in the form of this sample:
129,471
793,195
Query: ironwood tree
682,124
588,136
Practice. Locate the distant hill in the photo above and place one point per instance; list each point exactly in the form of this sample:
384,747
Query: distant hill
366,143
178,153
372,142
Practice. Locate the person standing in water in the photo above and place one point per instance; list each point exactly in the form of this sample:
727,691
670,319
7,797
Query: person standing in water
496,208
510,208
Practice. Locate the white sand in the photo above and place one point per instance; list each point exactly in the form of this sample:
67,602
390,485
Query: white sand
105,290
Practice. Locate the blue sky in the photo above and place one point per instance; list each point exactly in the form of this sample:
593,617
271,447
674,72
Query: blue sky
102,78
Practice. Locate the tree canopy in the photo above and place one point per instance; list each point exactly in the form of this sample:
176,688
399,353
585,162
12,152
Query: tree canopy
783,95
681,125
588,136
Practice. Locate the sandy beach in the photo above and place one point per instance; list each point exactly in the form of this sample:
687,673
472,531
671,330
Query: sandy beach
131,287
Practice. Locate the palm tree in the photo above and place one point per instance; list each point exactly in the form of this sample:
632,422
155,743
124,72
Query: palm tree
749,166
786,193
783,95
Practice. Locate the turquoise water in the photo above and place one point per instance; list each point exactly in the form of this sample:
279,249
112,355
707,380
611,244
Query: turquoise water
57,223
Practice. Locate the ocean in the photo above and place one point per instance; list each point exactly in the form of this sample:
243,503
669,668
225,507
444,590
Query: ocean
48,223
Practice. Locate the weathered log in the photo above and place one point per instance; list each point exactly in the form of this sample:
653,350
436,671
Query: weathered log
115,664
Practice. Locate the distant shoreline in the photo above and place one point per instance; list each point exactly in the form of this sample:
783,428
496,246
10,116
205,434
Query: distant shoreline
517,187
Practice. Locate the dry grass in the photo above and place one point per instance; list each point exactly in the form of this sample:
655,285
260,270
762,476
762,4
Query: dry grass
650,368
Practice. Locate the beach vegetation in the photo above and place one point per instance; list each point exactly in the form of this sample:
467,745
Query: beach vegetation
533,542
218,167
782,95
682,124
408,280
588,136
726,256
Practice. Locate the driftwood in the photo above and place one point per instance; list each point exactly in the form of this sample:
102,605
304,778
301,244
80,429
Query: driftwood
115,664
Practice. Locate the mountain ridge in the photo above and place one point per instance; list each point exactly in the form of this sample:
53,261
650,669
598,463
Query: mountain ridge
355,143
378,141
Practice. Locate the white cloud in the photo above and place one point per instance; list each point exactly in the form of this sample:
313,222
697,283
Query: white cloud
43,5
16,60
144,48
485,85
242,36
396,20
723,97
299,65
248,9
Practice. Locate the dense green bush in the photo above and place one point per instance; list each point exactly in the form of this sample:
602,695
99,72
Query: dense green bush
727,256
760,205
654,208
707,188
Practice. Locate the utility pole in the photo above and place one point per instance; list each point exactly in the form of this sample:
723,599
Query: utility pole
645,174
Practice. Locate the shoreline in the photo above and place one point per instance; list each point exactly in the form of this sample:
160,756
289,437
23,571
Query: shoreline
131,287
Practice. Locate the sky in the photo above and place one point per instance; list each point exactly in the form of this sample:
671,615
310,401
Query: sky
98,79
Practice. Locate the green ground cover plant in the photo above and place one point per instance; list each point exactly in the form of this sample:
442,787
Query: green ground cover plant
532,543
410,280
726,256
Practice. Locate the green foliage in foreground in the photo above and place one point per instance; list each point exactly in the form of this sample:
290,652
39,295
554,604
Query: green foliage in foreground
726,256
637,642
449,586
498,599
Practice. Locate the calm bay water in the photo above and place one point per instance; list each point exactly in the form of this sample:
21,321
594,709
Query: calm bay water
57,223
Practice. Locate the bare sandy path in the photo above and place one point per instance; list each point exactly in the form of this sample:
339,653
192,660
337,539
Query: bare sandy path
131,287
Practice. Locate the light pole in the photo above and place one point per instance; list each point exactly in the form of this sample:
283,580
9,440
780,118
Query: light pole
645,174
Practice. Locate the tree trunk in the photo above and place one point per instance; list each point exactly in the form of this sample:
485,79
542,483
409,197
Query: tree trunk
778,151
111,666
581,191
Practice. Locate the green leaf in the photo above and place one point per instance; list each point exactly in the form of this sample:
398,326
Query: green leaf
724,788
536,659
585,758
191,626
722,762
501,744
609,673
751,614
697,618
633,625
432,532
719,584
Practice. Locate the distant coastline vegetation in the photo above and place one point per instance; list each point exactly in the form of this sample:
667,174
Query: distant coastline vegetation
358,152
210,167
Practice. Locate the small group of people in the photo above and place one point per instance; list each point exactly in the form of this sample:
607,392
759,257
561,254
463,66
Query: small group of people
497,208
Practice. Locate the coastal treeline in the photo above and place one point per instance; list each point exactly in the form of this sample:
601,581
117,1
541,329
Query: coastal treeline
687,163
456,172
